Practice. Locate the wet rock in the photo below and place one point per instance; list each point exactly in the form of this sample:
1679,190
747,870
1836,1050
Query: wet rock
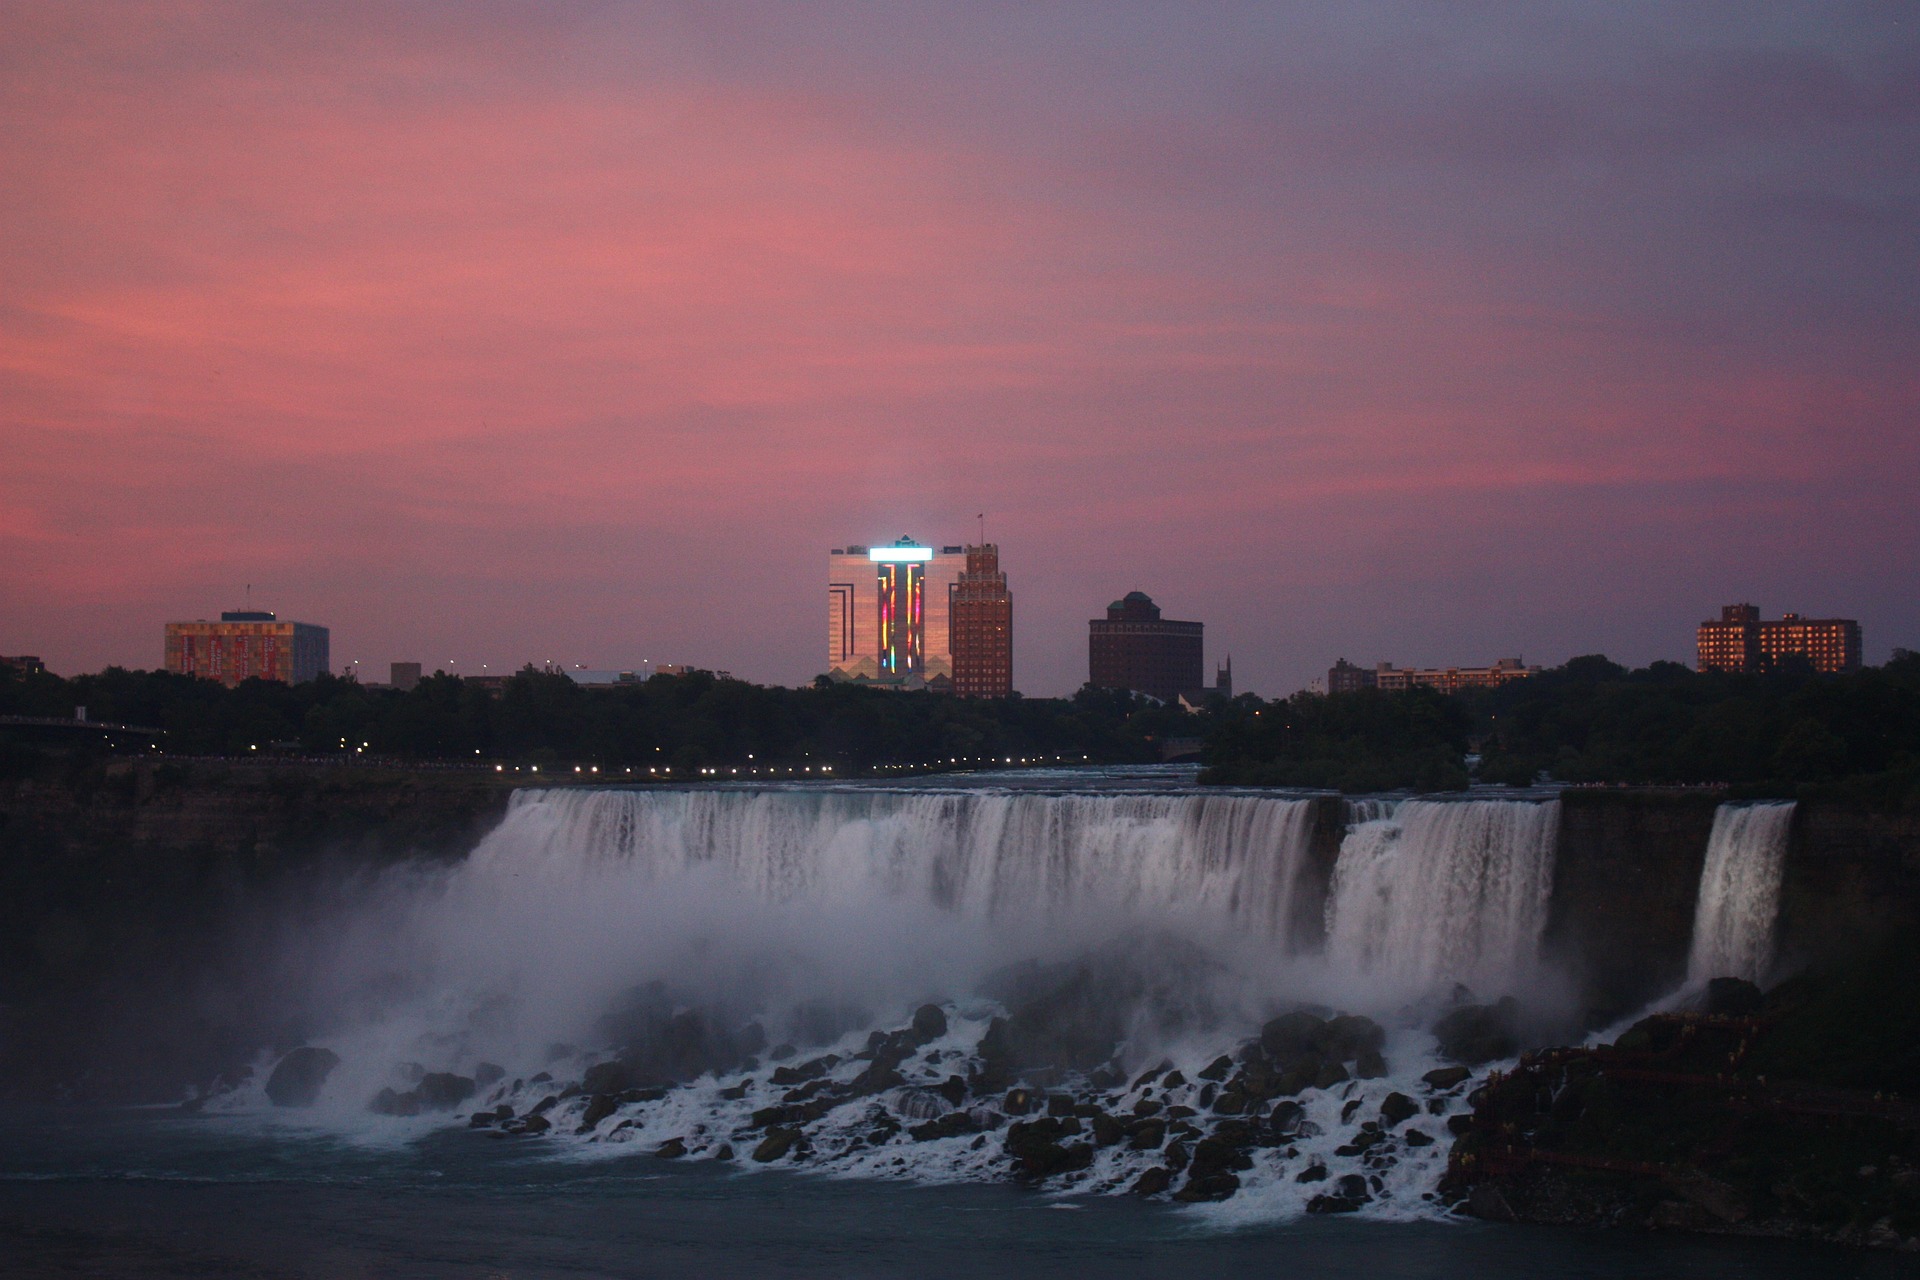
813,1070
1417,1138
1151,1074
1212,1156
545,1104
1349,1035
1734,998
1017,1102
954,1089
1200,1188
1148,1107
723,1152
671,1149
1153,1181
1315,1172
1396,1107
952,1125
1208,1092
1059,1104
1038,1152
298,1077
921,1104
531,1125
1460,1126
1369,1065
781,1052
543,1077
1350,1110
1146,1135
1219,1069
929,1022
1230,1102
1174,1080
482,1120
1107,1131
605,1077
776,1144
443,1091
1447,1077
1478,1033
487,1073
1331,1074
735,1093
1347,1196
388,1102
599,1107
1235,1133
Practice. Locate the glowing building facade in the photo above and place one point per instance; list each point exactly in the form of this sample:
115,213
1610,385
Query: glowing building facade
247,645
890,611
1739,641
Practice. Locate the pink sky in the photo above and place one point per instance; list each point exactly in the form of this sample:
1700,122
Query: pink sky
483,333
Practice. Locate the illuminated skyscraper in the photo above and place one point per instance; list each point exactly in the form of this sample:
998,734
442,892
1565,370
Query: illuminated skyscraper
982,627
889,611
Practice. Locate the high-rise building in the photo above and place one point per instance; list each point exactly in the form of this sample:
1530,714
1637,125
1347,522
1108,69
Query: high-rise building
26,664
889,612
1133,647
1740,642
981,625
247,645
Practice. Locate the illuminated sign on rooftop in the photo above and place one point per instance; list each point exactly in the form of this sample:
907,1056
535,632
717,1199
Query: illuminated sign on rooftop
899,555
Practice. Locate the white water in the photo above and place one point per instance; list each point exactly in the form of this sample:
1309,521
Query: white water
1444,891
1739,903
822,914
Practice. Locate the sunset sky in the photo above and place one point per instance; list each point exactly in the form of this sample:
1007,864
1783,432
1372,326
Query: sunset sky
483,333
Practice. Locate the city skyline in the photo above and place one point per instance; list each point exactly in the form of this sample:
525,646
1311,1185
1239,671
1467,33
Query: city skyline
575,332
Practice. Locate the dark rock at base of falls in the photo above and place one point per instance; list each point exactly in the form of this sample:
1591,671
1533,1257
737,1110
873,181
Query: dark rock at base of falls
1447,1077
606,1077
390,1102
1315,1172
487,1073
1347,1196
671,1149
929,1022
1217,1070
1478,1033
1153,1181
528,1125
1039,1152
1218,1185
298,1077
599,1107
1396,1107
443,1090
952,1125
776,1144
1733,998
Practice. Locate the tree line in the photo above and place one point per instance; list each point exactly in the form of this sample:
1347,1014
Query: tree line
684,722
1787,732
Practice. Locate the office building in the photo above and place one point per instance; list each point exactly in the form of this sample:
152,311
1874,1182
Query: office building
1740,642
981,626
1345,677
25,663
404,676
246,645
1133,647
889,614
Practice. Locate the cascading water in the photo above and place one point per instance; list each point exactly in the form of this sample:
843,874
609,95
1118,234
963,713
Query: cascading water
1444,891
1739,901
659,946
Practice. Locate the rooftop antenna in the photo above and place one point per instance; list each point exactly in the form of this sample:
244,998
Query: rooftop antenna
982,518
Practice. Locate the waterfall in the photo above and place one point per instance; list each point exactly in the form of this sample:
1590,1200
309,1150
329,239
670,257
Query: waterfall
980,854
1444,891
1739,899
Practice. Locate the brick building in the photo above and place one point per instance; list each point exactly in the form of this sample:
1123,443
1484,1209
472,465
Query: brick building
1133,647
980,612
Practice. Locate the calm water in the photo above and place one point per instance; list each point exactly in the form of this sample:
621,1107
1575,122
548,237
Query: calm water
154,1193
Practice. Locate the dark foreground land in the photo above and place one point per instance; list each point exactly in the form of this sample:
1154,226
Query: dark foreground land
1793,1114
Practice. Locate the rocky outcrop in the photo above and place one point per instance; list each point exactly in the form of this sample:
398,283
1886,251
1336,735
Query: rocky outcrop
1798,1115
297,1078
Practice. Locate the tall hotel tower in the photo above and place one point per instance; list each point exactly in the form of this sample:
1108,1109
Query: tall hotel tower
904,616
